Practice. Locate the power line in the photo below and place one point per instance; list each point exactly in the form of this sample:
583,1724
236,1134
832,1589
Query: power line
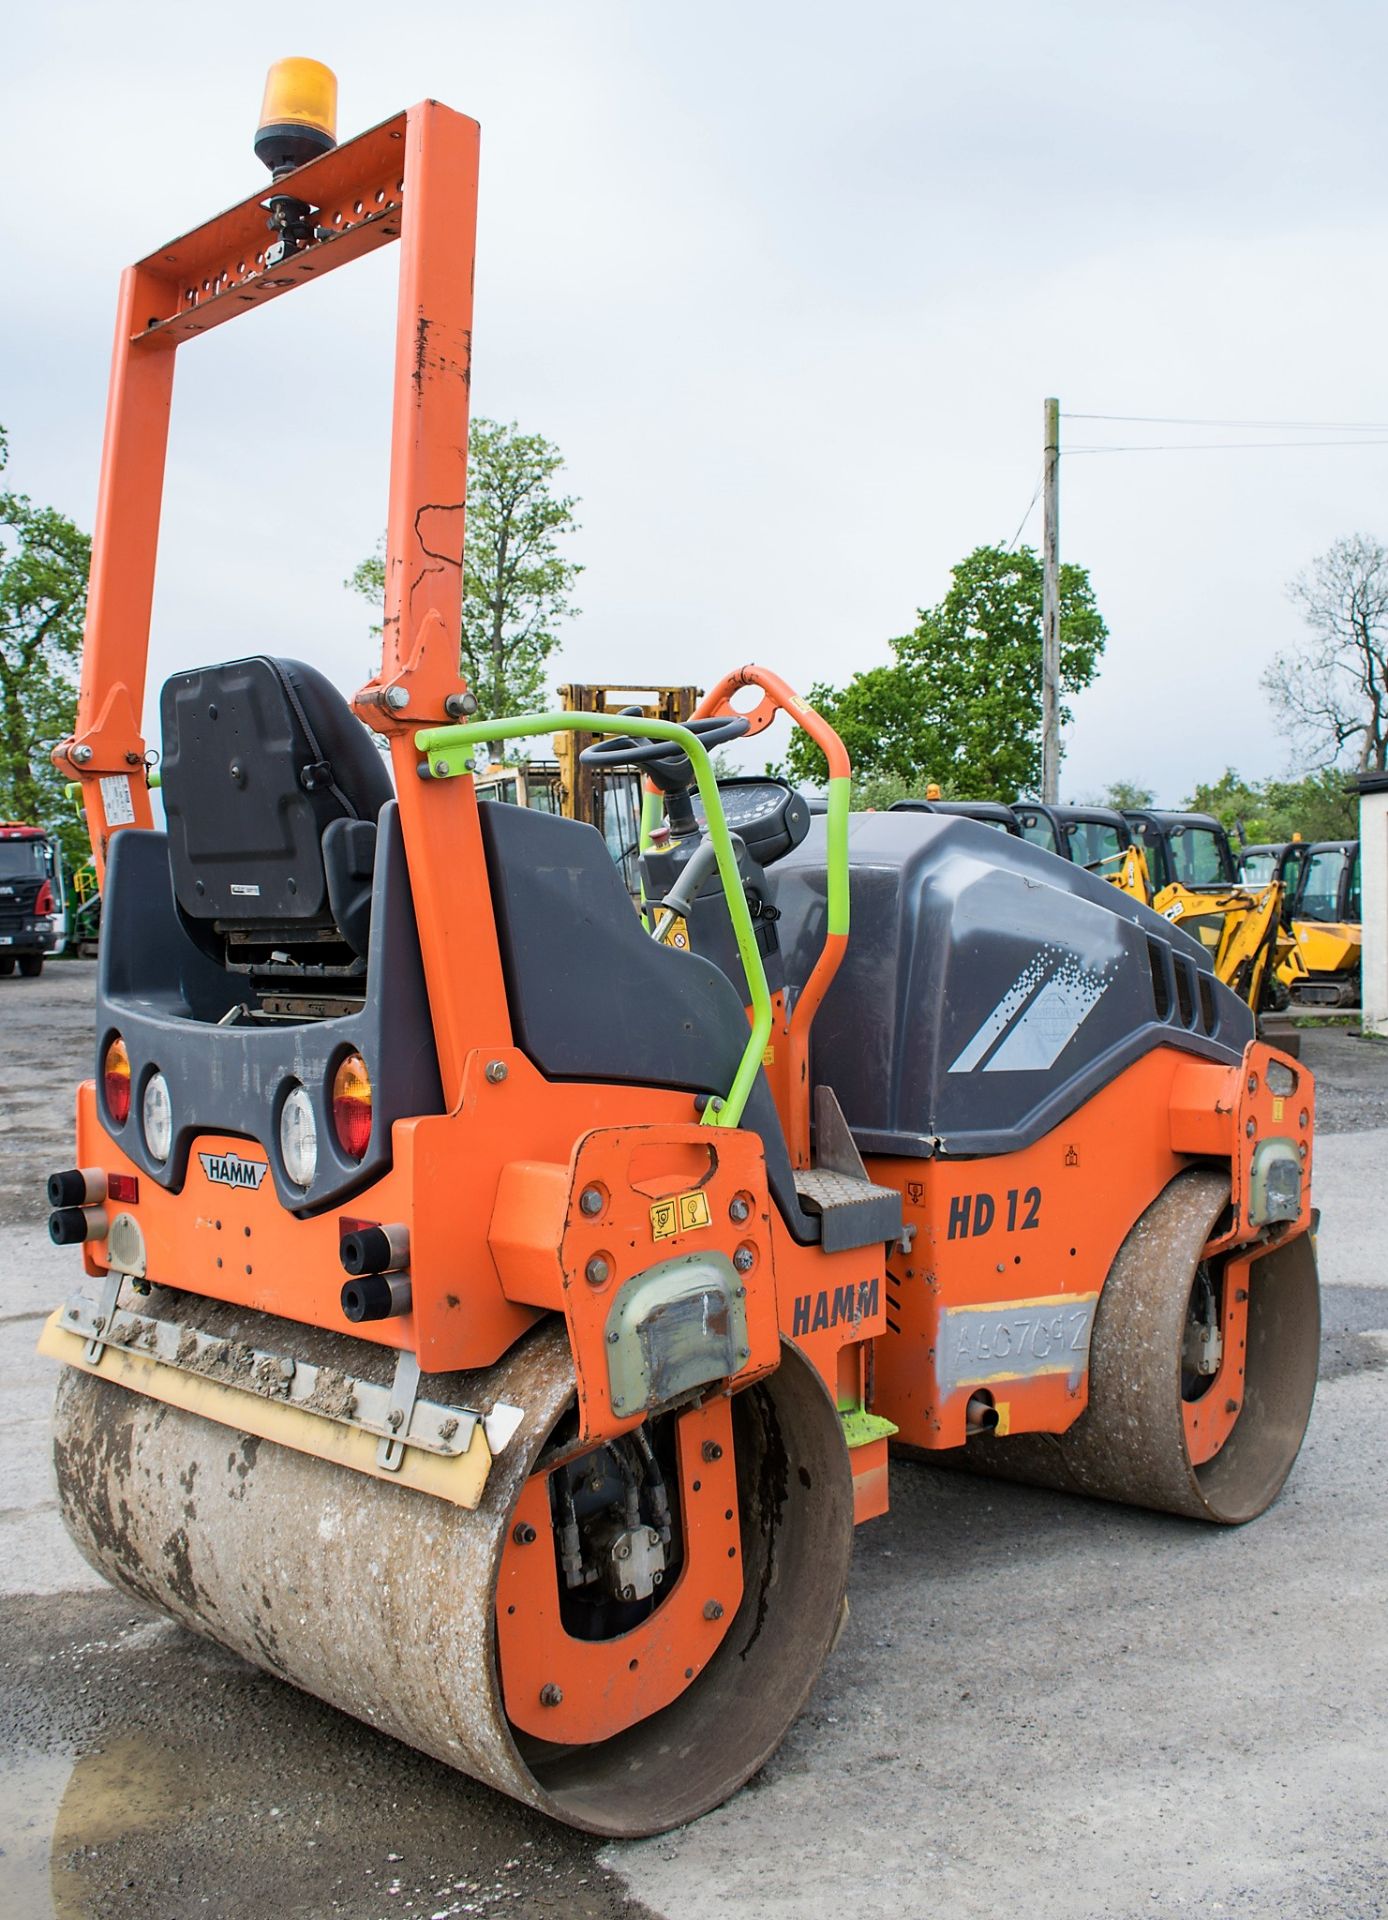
1181,420
1035,496
1223,446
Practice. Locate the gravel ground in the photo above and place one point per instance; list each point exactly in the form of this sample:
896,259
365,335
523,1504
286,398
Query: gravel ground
1040,1703
1351,1078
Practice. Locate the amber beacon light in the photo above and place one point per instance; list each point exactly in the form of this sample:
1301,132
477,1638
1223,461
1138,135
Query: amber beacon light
298,116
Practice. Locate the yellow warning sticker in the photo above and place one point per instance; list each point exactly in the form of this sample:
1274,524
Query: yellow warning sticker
1277,1105
768,1058
694,1209
679,1213
677,934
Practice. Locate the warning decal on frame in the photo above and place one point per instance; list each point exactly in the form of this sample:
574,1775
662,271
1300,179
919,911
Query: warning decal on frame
679,1213
116,801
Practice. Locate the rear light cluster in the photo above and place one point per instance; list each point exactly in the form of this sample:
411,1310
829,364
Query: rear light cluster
350,1105
115,1081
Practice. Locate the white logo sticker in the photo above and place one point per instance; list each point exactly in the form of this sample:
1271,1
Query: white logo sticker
228,1170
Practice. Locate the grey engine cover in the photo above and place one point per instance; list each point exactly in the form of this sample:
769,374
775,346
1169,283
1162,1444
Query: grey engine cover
989,987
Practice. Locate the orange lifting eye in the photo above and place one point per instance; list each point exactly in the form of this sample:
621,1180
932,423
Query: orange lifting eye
352,1106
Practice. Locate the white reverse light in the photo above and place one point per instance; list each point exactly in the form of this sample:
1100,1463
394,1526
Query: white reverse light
299,1138
156,1116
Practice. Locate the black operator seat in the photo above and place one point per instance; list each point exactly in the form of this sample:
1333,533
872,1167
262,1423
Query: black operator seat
272,788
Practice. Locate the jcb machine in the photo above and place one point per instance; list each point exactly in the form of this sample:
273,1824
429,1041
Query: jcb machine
1327,926
495,1319
1182,866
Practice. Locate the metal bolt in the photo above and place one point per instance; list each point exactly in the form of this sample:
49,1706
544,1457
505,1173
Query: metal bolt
624,1551
744,1353
739,1210
612,1339
741,1293
80,756
743,1259
397,698
1305,1117
497,1071
628,1593
597,1271
550,1695
523,1534
1251,1128
1303,1149
458,704
712,1450
394,1419
713,1609
1252,1083
590,1200
441,769
656,1577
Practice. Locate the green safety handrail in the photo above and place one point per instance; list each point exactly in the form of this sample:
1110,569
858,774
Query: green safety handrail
447,750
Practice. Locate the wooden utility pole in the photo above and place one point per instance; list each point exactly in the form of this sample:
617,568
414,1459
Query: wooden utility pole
1050,611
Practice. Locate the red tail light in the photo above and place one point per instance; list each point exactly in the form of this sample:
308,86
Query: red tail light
115,1080
352,1106
44,902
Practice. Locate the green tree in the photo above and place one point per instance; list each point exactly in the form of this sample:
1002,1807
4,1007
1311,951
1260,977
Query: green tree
516,582
1122,794
1320,806
961,703
875,792
43,600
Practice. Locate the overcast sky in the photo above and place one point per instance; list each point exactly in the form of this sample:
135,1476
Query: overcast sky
788,285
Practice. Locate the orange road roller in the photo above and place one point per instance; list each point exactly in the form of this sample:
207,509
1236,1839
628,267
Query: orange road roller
500,1305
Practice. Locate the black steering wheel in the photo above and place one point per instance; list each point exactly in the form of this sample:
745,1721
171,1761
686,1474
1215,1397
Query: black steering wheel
667,766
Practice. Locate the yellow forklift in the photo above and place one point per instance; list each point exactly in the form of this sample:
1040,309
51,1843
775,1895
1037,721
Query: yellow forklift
609,801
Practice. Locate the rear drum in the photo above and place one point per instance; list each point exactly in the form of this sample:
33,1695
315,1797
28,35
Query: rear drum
1141,1440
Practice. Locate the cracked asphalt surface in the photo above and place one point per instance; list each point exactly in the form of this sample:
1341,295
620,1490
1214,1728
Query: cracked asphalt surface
1040,1703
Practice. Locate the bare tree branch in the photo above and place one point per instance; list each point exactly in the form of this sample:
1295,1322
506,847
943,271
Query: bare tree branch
1332,691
